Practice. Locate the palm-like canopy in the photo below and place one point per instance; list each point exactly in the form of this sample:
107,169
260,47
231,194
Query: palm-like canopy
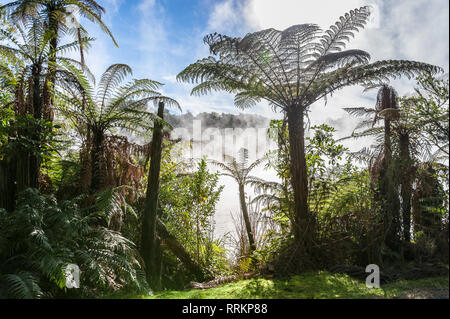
294,67
98,117
407,123
113,105
238,168
27,46
28,43
57,12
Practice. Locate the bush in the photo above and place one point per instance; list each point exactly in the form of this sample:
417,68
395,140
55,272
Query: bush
42,237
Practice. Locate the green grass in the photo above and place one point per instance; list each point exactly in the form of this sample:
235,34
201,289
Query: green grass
319,285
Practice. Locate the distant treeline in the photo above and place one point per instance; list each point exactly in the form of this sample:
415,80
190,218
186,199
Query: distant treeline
217,120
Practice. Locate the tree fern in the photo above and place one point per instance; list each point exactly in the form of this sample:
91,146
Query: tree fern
292,69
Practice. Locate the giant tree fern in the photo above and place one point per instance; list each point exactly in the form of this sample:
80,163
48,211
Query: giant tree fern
58,16
292,69
27,47
99,117
239,169
411,138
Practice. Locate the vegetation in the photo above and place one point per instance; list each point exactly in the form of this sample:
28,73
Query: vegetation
321,285
91,177
292,69
239,170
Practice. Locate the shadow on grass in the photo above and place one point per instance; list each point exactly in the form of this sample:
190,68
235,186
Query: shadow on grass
305,286
308,286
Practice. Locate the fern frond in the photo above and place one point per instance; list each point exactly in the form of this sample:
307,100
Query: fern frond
23,285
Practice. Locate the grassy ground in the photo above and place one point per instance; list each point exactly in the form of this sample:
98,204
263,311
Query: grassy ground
321,285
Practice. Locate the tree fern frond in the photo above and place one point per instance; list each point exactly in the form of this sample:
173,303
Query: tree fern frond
359,111
110,79
335,38
23,285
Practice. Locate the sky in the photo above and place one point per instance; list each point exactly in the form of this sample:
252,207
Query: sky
159,38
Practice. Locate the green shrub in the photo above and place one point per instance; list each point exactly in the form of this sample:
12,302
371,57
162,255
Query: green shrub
42,237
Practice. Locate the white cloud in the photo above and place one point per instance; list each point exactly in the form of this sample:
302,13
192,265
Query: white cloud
113,5
230,16
284,13
147,5
152,34
170,78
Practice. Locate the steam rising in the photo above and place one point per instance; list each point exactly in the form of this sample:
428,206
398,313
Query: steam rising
218,136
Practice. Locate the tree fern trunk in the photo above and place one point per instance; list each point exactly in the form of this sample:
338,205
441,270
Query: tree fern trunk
303,227
33,162
53,26
248,226
81,47
389,195
97,161
406,185
149,247
83,93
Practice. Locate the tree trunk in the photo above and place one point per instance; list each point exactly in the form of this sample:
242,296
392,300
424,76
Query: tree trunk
35,161
97,151
178,250
406,185
389,195
248,226
80,39
83,93
27,160
158,262
149,248
8,184
53,26
303,223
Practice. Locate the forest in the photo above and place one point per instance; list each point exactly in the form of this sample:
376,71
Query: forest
93,182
